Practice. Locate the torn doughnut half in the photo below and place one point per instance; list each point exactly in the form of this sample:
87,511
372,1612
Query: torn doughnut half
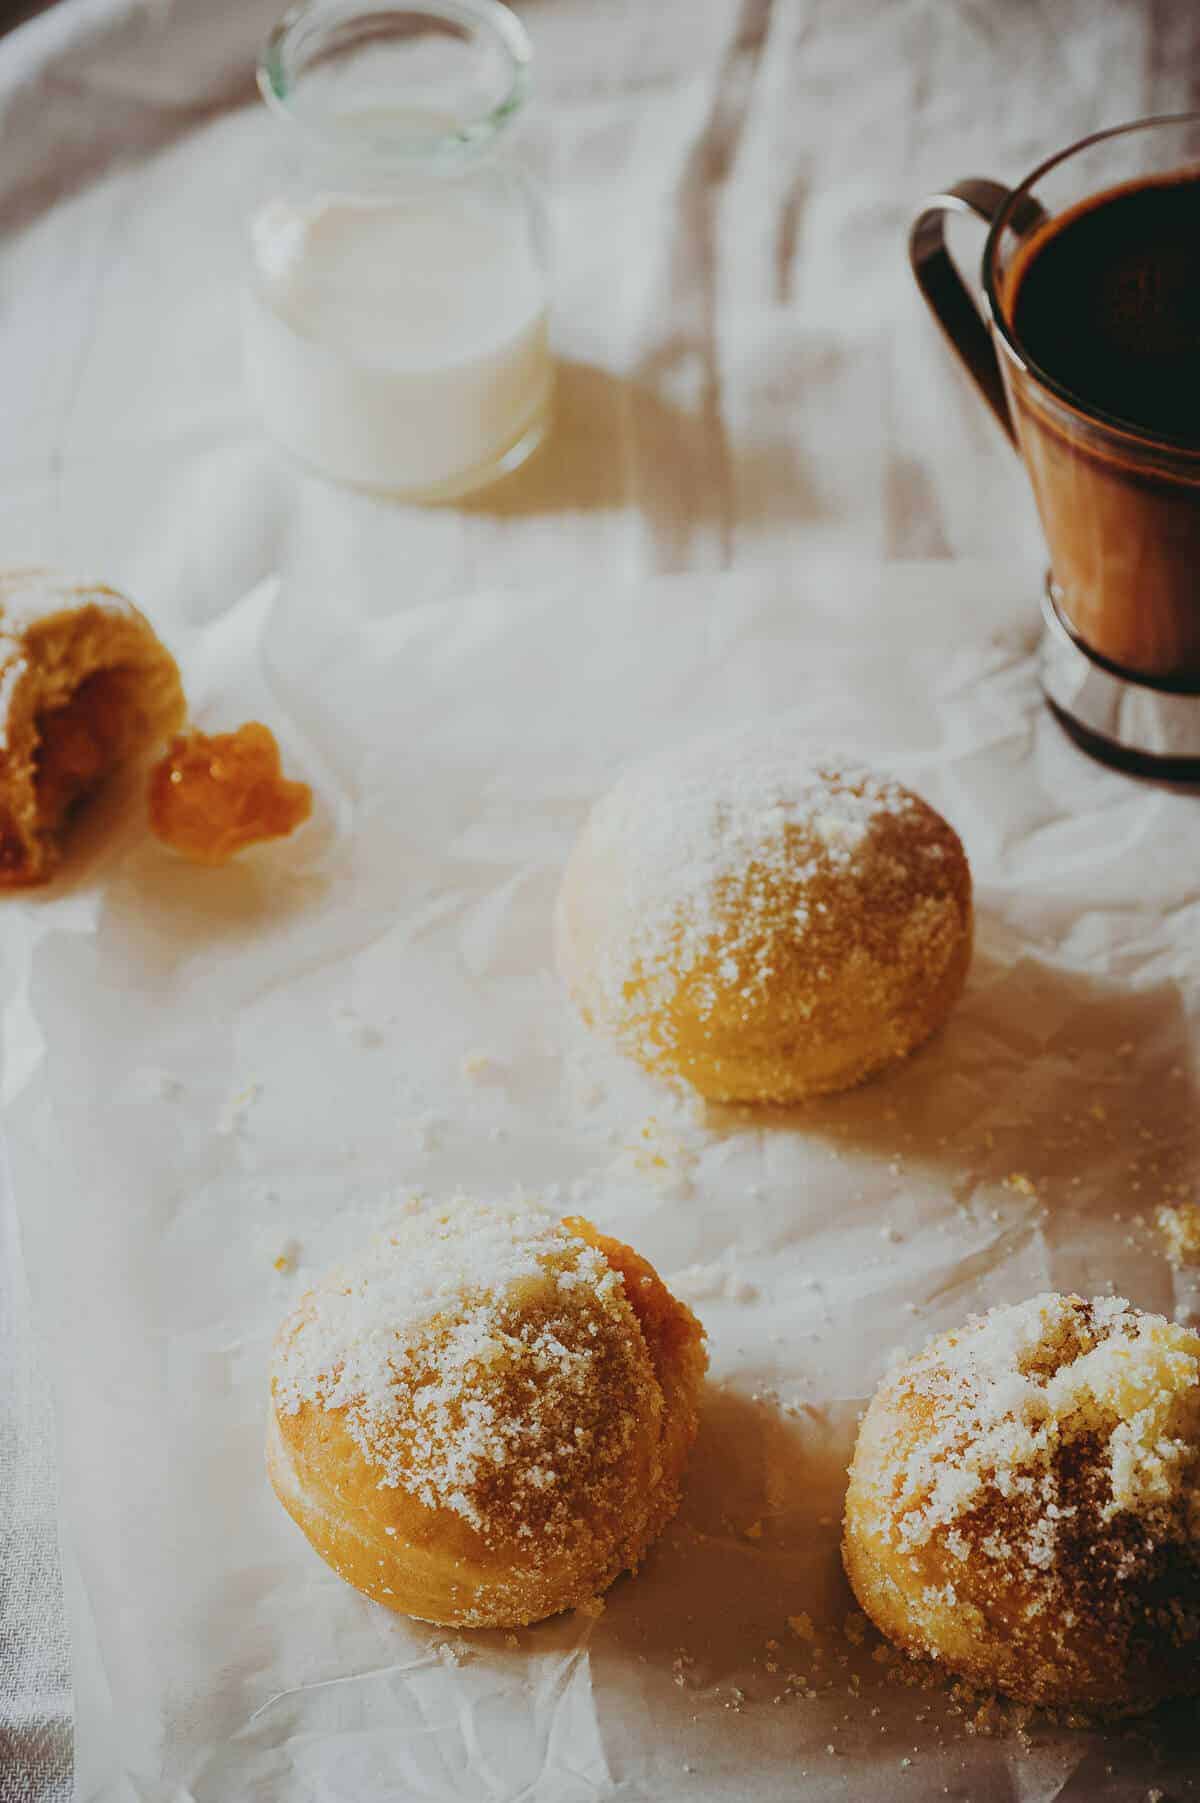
85,684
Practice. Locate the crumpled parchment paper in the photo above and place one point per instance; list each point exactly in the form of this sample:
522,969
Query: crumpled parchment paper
210,1074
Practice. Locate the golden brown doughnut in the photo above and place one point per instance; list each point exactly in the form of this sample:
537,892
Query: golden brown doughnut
84,684
485,1419
1024,1505
764,922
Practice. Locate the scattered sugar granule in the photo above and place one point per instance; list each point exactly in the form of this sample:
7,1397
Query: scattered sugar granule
1021,1182
1180,1228
801,1626
233,1115
661,1155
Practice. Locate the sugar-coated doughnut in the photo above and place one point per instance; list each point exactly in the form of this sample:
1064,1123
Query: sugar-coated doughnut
1024,1505
84,684
765,922
485,1418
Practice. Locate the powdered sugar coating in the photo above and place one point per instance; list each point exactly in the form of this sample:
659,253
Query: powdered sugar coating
483,1358
1025,1502
1010,1393
767,919
694,824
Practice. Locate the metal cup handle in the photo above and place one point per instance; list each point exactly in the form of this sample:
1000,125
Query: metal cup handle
945,291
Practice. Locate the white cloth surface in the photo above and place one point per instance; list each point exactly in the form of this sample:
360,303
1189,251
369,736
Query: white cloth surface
747,376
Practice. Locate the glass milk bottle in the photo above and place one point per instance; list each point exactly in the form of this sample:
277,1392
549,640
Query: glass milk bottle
395,316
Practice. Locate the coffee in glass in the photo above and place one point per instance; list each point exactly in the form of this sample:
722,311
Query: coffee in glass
1090,358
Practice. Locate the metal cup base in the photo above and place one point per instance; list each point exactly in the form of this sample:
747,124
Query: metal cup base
1140,727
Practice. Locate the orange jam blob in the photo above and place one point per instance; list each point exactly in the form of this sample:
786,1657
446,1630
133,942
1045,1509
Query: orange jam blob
212,794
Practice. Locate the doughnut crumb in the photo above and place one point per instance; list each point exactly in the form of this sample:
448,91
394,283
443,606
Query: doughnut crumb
1180,1228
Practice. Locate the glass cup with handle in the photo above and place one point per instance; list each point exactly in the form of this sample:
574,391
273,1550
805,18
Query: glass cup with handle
1085,344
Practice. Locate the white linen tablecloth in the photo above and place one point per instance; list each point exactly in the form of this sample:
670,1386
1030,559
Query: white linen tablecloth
747,373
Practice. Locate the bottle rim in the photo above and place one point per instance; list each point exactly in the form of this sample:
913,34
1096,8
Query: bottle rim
317,32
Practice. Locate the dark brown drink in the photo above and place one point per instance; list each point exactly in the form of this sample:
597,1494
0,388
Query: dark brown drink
1103,302
1105,299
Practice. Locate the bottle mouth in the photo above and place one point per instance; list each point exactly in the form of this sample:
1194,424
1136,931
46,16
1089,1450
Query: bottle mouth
400,85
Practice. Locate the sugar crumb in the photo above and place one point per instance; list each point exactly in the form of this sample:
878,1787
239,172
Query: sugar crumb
287,1258
711,1283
